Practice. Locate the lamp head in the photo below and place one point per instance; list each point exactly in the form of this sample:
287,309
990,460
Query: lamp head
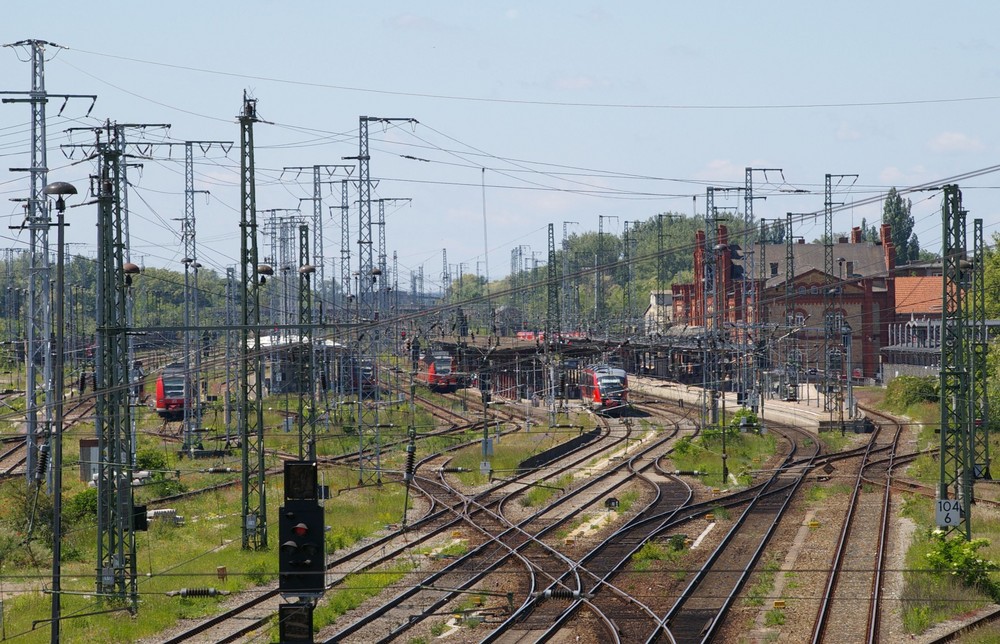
61,189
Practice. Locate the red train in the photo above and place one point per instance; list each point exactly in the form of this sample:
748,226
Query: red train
437,371
171,392
604,388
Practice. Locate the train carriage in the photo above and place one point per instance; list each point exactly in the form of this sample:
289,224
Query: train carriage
171,391
604,388
437,371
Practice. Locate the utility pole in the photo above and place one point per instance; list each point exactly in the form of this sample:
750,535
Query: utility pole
39,327
979,349
192,410
567,291
369,440
599,307
954,502
116,569
306,375
831,326
751,295
251,373
320,174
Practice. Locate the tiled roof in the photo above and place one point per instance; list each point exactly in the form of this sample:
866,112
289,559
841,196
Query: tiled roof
918,295
865,260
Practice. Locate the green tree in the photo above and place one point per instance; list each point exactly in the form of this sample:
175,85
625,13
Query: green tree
868,233
991,277
896,213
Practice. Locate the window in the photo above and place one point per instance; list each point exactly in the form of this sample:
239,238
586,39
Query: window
774,269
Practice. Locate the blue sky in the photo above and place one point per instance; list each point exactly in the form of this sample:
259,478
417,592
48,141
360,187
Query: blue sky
575,110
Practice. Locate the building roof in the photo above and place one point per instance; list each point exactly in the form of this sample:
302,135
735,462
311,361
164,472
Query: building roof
918,296
866,259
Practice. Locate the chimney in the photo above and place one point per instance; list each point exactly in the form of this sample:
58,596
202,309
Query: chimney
856,235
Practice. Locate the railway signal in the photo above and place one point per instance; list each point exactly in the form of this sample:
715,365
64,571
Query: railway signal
301,534
301,554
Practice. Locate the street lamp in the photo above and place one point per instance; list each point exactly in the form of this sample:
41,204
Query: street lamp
60,189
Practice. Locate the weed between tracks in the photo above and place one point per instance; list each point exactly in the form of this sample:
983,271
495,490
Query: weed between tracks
764,584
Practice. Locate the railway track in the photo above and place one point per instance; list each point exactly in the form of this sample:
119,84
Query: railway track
550,607
856,570
698,613
442,515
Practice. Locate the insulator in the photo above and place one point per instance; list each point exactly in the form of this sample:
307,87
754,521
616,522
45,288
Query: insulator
200,592
561,593
43,462
411,457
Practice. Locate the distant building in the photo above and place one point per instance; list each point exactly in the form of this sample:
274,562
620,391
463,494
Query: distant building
862,289
659,314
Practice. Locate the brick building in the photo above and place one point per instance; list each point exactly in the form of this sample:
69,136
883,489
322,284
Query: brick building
862,288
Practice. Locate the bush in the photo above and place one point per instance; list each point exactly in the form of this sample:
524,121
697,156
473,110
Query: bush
957,557
81,505
905,391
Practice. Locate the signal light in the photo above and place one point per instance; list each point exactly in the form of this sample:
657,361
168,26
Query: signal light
302,554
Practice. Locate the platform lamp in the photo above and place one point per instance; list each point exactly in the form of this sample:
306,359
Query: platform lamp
61,190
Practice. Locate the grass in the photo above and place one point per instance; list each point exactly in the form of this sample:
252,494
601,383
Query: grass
774,617
764,584
166,555
746,452
816,493
929,597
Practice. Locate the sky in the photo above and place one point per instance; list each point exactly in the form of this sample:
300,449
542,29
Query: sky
526,114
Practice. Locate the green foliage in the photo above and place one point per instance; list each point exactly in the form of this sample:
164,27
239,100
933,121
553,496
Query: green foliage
752,421
905,391
81,505
896,213
959,558
774,617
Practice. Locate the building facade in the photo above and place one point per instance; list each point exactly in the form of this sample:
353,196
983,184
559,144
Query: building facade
786,321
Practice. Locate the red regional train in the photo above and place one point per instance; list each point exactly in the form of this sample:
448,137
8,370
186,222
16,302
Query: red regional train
437,371
604,388
171,392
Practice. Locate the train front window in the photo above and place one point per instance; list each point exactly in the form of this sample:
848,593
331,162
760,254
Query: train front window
173,388
442,367
610,384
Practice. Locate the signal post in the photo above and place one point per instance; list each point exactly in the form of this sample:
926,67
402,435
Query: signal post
301,551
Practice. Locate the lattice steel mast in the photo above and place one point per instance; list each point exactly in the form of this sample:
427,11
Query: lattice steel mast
369,452
116,569
306,375
955,481
39,327
979,349
251,373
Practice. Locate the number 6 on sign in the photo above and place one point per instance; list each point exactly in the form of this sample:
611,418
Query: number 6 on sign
949,513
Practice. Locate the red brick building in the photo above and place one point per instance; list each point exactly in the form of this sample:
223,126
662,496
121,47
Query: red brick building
863,294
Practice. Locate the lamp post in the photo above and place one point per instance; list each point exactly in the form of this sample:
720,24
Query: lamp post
61,189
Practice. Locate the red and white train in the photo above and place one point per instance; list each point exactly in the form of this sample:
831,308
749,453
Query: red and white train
171,392
437,371
604,388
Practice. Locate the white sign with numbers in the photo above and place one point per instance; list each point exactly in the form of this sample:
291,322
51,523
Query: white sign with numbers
949,513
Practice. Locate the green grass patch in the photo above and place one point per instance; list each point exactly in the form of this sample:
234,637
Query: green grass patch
759,591
774,617
746,452
354,590
816,493
928,596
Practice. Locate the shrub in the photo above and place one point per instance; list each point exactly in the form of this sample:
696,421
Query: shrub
904,391
81,505
959,558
